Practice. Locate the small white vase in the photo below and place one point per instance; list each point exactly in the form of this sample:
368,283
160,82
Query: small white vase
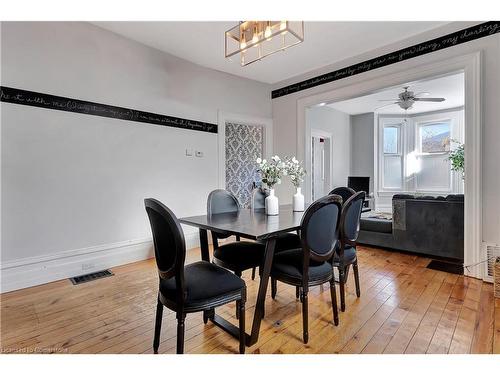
272,204
298,201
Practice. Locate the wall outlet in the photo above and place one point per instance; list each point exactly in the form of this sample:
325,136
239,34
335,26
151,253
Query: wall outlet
199,154
87,266
189,152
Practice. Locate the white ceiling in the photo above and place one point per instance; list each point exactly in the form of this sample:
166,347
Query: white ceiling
325,43
449,87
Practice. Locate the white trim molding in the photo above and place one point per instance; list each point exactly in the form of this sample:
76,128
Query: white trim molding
26,272
411,71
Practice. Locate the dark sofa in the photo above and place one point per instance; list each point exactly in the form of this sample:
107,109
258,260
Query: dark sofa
432,226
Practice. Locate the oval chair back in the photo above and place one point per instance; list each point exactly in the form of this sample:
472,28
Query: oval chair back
221,201
344,191
349,221
320,230
169,243
258,199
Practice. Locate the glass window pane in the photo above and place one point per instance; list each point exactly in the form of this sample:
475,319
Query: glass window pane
391,139
434,173
392,172
435,137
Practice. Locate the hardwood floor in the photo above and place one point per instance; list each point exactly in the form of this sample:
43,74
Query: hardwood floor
404,308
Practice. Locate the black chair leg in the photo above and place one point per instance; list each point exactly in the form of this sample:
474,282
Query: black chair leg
305,317
342,278
241,305
159,317
333,293
253,273
356,278
297,292
180,332
274,288
207,314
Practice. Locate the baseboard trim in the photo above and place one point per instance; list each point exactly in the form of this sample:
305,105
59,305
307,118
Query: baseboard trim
27,272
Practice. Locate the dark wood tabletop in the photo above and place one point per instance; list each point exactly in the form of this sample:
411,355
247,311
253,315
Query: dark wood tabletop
247,223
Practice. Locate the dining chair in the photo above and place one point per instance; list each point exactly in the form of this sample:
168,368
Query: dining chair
344,191
200,286
236,256
345,254
310,265
284,241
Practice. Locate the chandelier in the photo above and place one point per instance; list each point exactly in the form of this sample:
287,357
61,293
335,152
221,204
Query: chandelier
254,40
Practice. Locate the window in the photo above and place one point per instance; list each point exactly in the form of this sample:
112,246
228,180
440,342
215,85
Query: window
434,137
413,153
433,147
392,156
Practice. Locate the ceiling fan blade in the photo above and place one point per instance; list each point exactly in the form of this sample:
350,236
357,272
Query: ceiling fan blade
385,105
425,93
387,100
429,99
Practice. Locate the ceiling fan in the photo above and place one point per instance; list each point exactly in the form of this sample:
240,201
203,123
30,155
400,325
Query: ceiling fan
406,99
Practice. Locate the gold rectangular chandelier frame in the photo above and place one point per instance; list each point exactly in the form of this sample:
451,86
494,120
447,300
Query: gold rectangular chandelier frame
254,40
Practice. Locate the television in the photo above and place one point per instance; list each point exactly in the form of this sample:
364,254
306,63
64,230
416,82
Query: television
359,184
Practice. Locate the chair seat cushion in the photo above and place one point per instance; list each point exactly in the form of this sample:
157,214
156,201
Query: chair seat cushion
349,255
241,255
287,241
289,263
204,281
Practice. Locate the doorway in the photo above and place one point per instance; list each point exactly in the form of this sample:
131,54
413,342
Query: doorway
320,165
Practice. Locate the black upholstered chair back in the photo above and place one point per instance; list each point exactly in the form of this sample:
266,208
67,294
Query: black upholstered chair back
351,214
169,243
344,191
221,201
320,228
258,199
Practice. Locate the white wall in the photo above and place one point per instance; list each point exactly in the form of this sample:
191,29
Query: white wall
285,108
362,146
338,124
73,181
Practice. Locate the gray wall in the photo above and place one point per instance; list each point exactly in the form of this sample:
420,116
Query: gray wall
72,181
362,146
285,108
338,124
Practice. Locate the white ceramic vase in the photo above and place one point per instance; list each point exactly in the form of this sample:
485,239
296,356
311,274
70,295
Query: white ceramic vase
298,201
272,204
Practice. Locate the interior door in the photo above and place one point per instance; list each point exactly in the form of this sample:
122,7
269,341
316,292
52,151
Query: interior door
244,144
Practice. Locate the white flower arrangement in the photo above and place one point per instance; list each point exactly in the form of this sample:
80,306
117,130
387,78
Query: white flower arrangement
271,171
295,170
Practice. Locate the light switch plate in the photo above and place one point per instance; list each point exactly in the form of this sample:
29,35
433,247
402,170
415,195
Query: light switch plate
189,152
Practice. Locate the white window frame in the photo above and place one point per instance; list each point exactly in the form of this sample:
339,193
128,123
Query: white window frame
398,123
432,155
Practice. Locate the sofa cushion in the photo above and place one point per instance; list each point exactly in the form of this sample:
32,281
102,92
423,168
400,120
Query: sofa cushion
455,197
372,224
403,196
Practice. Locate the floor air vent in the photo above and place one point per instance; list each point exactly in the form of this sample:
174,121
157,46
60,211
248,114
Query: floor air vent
90,277
439,265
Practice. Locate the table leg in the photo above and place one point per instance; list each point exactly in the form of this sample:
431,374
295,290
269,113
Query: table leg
204,245
261,299
261,295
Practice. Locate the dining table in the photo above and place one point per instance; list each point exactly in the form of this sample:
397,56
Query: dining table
253,225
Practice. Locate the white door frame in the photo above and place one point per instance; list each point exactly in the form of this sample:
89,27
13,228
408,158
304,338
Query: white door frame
308,160
471,66
222,118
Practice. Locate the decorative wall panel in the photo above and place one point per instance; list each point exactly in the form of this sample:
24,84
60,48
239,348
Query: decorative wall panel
244,144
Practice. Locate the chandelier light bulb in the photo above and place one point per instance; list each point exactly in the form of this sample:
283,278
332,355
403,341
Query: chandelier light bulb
268,32
255,37
283,26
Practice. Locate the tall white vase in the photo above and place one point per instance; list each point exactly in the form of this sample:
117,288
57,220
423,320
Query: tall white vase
298,200
272,204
